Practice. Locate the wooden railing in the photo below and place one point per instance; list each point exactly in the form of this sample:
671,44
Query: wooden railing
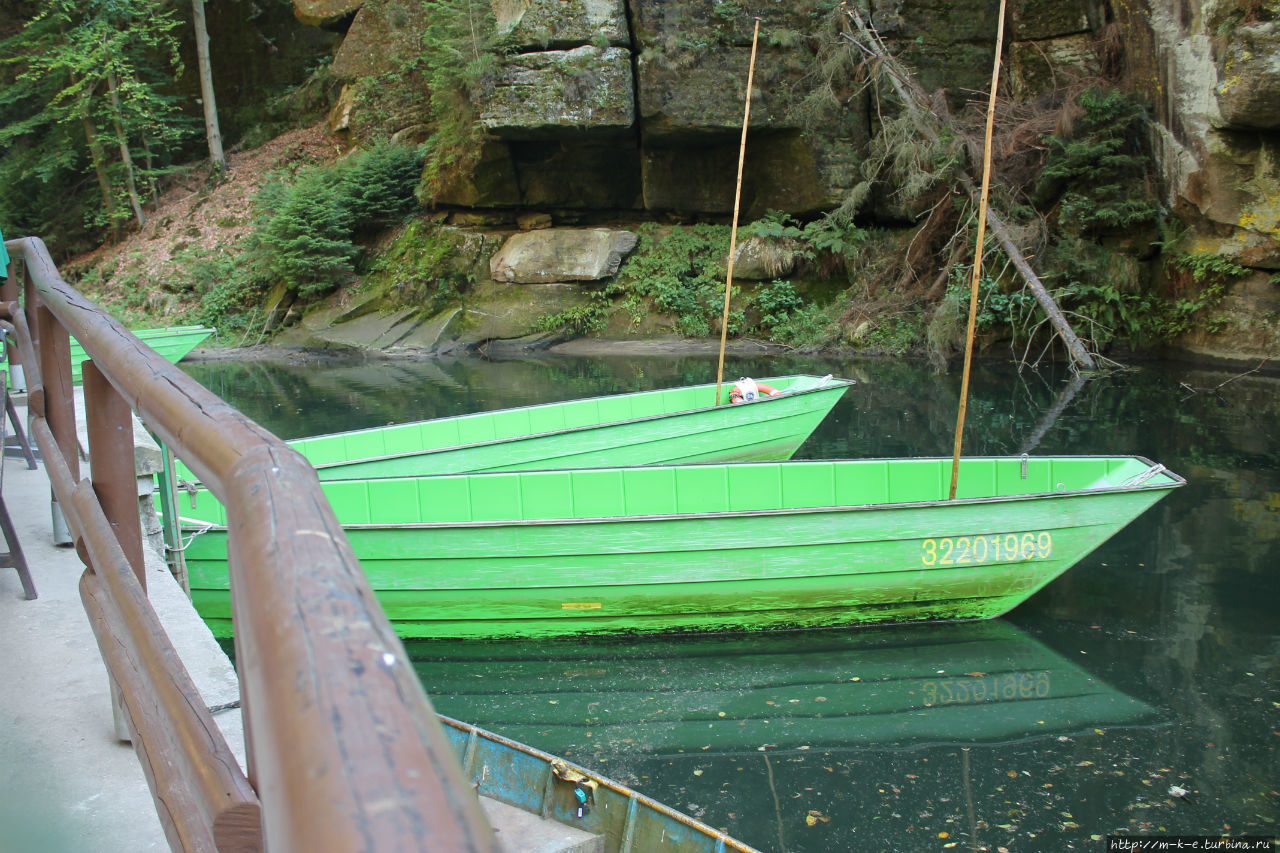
344,750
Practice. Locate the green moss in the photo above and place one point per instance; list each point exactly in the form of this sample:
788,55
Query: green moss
428,266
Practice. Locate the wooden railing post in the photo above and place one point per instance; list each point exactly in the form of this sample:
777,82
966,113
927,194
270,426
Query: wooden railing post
60,407
111,463
9,293
29,301
110,422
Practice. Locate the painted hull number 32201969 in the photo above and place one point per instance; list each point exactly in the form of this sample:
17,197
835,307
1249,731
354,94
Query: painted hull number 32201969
998,548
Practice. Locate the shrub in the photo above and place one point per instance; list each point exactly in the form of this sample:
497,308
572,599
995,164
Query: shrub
682,271
1097,171
305,229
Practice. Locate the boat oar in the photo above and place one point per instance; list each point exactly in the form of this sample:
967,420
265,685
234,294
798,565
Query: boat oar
977,259
737,197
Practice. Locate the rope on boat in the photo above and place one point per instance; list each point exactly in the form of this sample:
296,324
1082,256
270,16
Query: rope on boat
204,527
1142,477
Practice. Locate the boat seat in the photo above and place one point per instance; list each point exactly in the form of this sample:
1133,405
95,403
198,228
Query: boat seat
13,558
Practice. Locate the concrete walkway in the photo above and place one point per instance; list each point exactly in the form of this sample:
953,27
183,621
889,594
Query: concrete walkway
66,782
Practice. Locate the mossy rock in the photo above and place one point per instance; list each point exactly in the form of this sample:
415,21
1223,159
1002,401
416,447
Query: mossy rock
780,173
1249,78
1046,19
692,97
383,35
1042,66
323,13
1239,186
681,24
492,181
560,24
587,91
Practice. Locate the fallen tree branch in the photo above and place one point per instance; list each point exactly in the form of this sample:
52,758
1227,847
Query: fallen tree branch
916,102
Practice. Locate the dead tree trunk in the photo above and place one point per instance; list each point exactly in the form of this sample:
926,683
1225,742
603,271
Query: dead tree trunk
916,102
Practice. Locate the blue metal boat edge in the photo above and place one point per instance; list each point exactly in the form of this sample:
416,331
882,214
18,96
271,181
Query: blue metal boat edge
541,784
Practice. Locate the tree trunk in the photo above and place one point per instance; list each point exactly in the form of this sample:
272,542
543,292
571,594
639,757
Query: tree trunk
98,156
125,157
916,102
211,128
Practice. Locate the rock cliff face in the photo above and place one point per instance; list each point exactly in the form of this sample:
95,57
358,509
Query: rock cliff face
1216,69
613,105
632,108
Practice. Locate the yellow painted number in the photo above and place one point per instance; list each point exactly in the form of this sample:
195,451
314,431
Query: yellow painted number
996,548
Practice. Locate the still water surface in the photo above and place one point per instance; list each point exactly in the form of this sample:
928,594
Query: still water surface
1152,665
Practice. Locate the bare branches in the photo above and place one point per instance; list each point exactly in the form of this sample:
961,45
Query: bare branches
922,112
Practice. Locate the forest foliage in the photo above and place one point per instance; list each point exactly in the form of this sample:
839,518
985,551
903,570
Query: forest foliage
86,100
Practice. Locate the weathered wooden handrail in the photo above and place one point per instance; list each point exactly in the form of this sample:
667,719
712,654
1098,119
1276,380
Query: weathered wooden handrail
344,750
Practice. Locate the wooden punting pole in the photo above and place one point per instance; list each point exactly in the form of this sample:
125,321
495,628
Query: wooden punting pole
977,256
737,199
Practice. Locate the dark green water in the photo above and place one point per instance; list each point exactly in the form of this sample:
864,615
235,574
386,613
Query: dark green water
1154,663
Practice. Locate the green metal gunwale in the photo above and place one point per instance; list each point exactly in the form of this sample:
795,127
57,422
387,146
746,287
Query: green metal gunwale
843,508
762,434
643,818
829,385
1171,480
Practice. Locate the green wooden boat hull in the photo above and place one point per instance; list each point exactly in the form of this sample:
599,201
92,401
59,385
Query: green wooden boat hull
905,686
714,547
672,425
620,818
173,343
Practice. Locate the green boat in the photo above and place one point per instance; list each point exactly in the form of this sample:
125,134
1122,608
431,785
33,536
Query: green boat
889,687
173,343
586,811
713,547
666,426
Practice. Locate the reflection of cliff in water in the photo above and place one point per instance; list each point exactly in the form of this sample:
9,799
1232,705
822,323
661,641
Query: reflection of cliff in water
982,682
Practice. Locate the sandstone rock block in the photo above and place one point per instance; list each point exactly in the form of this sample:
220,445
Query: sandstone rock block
381,35
689,97
702,25
1040,66
1238,185
780,172
757,259
1044,19
561,254
560,24
543,95
1249,87
319,13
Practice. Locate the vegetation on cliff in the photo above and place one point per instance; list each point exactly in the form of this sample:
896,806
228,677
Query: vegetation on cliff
881,267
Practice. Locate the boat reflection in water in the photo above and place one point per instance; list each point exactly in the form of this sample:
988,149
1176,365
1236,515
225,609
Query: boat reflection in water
912,685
